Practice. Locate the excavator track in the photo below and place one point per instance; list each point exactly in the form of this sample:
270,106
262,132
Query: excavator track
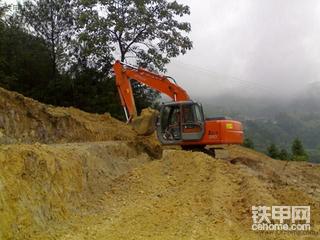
200,148
215,152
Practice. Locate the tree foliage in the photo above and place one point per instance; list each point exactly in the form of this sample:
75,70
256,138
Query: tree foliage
298,152
273,151
142,32
53,21
25,62
284,155
146,31
90,46
61,52
248,143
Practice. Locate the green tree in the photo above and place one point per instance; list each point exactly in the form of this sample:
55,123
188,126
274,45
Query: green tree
273,151
53,21
142,32
146,31
24,60
284,155
74,44
91,46
298,152
248,143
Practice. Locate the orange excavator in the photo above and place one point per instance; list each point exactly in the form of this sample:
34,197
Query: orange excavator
181,121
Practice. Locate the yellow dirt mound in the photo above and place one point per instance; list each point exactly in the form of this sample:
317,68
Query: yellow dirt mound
26,120
42,186
116,189
192,196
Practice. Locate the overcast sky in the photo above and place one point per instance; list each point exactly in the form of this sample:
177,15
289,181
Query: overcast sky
260,46
266,46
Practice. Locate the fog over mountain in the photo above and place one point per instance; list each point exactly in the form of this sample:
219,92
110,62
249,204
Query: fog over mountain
248,47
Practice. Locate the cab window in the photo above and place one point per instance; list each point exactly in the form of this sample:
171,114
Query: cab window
187,114
198,113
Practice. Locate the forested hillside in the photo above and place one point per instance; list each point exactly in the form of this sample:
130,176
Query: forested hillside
276,121
61,52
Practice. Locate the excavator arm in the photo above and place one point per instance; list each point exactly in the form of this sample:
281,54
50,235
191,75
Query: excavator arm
157,82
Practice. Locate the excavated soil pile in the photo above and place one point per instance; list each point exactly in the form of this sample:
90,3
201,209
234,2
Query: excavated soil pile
44,185
193,196
117,190
26,120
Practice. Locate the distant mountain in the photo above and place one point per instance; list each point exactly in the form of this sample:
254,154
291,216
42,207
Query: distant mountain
272,120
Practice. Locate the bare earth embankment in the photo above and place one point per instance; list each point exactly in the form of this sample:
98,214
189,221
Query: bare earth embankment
67,174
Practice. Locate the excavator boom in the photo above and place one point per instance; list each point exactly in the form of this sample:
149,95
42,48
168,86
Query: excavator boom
157,82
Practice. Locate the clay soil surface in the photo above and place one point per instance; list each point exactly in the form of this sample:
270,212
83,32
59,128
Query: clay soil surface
67,174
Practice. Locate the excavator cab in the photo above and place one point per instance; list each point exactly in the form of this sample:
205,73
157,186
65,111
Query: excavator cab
180,121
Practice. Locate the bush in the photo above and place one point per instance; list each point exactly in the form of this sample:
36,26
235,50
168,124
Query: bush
248,143
273,151
284,155
298,152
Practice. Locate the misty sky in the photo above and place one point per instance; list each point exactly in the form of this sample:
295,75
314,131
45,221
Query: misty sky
263,47
267,46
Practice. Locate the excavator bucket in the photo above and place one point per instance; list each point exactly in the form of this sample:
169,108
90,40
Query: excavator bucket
145,124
